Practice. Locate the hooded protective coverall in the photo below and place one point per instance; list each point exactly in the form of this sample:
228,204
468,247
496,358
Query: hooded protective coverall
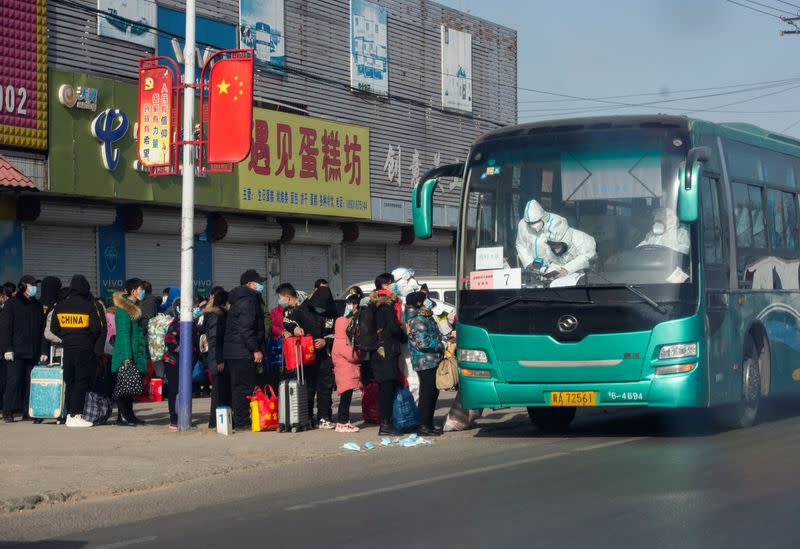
538,227
668,232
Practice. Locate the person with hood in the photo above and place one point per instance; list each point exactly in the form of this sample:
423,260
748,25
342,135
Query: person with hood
427,348
76,322
21,335
129,343
214,320
149,306
667,232
547,243
244,340
385,361
316,317
168,297
51,291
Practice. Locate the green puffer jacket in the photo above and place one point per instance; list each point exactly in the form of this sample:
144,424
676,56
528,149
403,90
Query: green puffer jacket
130,341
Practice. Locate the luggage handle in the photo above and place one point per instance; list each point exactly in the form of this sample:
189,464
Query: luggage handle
298,349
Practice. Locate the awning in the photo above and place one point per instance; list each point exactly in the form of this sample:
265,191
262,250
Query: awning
11,178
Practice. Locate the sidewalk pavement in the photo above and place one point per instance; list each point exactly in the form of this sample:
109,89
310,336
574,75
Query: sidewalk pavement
48,463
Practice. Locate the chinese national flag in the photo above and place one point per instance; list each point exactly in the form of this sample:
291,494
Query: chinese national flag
230,110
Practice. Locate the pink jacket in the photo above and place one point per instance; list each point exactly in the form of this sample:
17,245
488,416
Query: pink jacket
277,321
346,360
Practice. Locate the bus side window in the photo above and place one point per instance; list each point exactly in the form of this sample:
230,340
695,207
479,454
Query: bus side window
450,297
713,235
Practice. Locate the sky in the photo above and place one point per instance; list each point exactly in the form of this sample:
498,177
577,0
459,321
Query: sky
602,48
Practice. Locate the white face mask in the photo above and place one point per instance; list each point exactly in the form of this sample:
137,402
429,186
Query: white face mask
164,299
538,225
658,228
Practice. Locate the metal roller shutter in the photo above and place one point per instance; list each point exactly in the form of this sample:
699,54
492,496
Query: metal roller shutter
302,265
155,258
363,262
61,252
232,259
424,261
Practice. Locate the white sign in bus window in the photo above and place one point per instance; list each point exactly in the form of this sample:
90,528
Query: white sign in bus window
604,175
489,258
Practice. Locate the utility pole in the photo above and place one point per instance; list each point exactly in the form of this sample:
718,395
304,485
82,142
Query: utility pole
187,227
792,22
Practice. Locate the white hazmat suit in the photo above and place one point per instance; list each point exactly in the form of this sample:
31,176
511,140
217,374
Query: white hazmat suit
538,227
668,232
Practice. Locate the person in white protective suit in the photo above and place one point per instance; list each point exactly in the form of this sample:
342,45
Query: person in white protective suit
547,238
667,232
404,284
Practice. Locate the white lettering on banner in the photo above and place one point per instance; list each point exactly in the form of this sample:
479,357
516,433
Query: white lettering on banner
489,258
392,165
414,167
437,160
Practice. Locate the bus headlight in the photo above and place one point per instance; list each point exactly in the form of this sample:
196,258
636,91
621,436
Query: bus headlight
679,350
472,355
675,369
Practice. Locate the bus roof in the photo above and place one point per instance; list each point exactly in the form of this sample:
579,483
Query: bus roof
747,133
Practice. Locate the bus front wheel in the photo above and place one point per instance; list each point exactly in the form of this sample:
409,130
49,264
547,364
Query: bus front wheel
552,420
744,414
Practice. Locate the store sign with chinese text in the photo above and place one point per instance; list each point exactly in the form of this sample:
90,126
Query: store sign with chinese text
23,74
306,165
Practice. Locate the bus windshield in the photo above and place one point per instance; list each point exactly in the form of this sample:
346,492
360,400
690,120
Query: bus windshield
582,208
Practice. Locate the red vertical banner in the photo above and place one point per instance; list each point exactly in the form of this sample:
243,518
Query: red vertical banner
156,109
230,110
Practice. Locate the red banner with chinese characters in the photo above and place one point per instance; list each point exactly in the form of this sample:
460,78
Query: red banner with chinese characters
306,165
156,111
230,110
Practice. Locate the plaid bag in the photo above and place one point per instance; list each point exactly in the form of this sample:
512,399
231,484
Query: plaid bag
129,381
97,408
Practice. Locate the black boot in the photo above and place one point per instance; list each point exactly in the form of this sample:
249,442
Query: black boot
388,430
425,431
123,413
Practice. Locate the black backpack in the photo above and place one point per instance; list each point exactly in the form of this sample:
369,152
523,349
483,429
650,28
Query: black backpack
362,331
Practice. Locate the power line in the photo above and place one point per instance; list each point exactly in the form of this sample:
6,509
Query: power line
769,7
754,9
789,4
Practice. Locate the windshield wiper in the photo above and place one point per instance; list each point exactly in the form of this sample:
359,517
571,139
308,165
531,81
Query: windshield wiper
520,299
633,289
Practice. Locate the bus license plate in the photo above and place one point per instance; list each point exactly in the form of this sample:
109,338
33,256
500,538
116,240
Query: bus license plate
573,398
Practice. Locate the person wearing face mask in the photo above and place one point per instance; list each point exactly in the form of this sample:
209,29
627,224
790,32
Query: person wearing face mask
172,348
316,317
546,242
149,306
130,344
21,334
214,317
168,297
346,364
667,232
244,342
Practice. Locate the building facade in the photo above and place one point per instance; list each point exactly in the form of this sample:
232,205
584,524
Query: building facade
354,101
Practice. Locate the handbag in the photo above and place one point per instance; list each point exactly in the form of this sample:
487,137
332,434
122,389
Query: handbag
299,351
263,410
97,408
370,411
447,374
129,381
404,411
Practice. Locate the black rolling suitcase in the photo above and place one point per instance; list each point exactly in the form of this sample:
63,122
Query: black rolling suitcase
293,400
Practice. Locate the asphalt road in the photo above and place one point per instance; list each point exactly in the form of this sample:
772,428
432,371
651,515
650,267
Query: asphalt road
647,480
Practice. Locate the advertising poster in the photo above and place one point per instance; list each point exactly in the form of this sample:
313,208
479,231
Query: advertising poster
128,20
306,165
156,115
261,28
369,62
23,74
456,70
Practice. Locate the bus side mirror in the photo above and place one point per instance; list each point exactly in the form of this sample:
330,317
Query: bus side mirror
689,178
422,197
422,204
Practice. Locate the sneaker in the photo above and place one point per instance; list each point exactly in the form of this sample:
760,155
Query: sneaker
173,426
346,428
326,424
8,419
78,421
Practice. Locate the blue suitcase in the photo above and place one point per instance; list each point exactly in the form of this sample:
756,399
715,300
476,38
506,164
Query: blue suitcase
47,392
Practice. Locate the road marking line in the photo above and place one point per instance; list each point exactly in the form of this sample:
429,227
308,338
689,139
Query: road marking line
126,543
607,444
423,482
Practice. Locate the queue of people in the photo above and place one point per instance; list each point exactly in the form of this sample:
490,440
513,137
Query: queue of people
236,344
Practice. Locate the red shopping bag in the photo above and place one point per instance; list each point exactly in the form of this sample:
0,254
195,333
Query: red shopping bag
263,410
299,351
369,404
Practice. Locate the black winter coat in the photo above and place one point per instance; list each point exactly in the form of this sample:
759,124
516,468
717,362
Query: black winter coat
214,324
76,322
385,361
244,331
22,327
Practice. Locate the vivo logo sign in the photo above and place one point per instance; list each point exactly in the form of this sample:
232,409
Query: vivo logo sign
202,56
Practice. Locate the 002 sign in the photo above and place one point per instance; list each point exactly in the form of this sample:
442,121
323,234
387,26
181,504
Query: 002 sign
13,100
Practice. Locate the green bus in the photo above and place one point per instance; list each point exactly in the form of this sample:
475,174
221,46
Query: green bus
626,261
